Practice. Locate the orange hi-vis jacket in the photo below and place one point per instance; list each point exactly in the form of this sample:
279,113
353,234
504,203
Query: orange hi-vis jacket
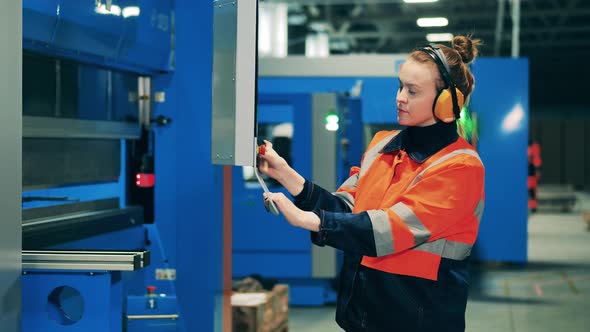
432,211
534,154
406,220
535,162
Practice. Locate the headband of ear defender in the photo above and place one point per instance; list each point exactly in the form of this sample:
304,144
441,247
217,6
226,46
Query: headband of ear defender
449,100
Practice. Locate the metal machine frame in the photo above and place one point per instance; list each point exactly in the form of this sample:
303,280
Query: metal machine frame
10,177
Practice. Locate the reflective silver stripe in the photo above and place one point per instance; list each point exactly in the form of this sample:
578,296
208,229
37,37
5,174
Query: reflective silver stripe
435,247
479,210
456,250
351,182
381,232
420,232
443,159
447,249
346,197
372,154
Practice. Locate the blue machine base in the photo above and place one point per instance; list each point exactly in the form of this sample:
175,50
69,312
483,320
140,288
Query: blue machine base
93,303
163,305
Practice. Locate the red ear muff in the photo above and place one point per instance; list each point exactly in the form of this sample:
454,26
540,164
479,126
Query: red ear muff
443,105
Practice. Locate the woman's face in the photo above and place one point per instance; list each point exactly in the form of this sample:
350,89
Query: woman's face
416,94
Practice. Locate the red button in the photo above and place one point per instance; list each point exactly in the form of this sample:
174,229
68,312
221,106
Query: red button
145,180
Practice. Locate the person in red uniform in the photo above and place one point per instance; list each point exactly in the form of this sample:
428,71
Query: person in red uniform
408,217
535,162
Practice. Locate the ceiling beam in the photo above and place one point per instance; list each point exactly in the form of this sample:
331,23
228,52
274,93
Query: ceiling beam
337,2
402,35
462,16
562,19
368,2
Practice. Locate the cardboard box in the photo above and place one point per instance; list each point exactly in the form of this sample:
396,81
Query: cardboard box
262,311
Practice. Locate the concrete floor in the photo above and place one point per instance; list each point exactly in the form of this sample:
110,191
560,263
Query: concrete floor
552,293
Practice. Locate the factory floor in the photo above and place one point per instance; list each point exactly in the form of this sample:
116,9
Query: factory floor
551,293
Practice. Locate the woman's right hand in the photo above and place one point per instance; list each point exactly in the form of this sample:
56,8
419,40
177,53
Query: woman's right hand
271,163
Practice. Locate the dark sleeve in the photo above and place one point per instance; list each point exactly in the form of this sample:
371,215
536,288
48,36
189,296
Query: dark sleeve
349,232
314,197
339,227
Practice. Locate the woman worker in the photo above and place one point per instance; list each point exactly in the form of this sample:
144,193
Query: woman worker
407,218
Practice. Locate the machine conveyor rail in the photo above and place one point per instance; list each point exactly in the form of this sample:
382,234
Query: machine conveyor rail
85,260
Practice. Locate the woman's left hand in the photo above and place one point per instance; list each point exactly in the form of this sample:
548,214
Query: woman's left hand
294,215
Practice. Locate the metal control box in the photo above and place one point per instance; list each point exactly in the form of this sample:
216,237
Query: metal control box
234,82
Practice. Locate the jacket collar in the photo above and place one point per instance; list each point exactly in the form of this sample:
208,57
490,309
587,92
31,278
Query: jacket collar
420,143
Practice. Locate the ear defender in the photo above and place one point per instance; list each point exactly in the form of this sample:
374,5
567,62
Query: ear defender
443,107
449,101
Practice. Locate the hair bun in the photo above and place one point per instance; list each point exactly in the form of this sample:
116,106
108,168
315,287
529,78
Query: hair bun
466,47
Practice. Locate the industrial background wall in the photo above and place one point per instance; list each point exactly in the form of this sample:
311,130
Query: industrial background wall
10,166
565,148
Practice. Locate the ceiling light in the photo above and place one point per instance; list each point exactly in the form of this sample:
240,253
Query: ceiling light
313,10
102,9
439,37
131,11
339,44
432,22
319,26
419,1
297,19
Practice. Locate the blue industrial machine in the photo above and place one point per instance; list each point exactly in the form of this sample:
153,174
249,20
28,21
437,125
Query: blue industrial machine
501,102
126,34
120,200
297,126
259,237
